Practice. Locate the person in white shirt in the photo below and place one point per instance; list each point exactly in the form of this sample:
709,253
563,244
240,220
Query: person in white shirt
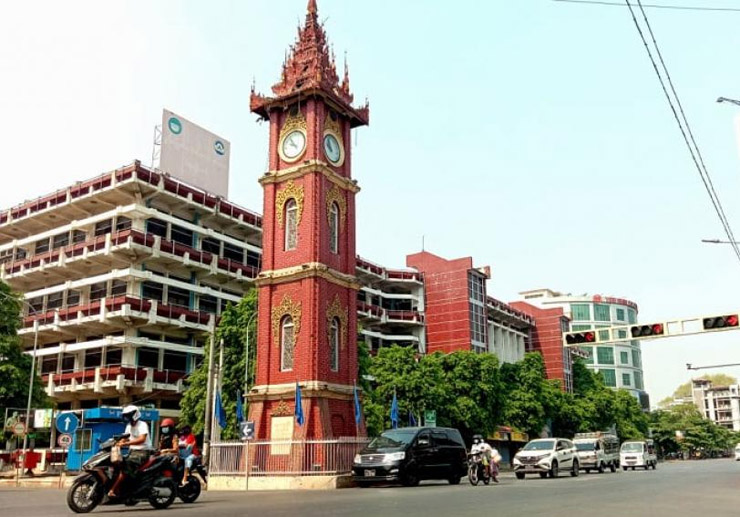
139,442
491,457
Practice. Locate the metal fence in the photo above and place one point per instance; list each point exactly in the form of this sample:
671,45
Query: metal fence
284,458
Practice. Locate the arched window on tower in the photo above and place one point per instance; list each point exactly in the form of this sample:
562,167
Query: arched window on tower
287,343
334,345
291,225
334,228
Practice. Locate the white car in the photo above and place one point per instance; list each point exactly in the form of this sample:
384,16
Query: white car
737,452
638,454
546,457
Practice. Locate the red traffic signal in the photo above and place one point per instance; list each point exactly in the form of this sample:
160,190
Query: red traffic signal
655,329
719,322
580,337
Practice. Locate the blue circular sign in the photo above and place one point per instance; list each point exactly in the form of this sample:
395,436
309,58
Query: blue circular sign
175,125
219,147
67,423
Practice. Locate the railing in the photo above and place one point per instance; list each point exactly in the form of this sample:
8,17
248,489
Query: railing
506,308
370,309
405,316
285,458
397,274
111,373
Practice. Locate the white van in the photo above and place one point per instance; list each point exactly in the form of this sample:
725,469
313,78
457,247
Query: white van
737,452
597,451
638,454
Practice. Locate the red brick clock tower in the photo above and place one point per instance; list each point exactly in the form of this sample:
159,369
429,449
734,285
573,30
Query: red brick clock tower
307,288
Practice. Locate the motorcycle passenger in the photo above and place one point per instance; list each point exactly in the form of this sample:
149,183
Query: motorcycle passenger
168,443
188,450
488,455
139,443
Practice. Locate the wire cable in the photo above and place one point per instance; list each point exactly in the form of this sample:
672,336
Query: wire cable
655,6
703,172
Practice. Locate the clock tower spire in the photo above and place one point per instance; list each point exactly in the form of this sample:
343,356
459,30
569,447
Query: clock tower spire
307,288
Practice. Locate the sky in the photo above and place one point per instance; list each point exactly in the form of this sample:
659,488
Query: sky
531,135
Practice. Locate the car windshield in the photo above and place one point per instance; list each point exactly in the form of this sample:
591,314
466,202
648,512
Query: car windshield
632,447
542,445
391,439
585,446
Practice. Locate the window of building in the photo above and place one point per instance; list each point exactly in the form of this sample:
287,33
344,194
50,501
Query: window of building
103,227
118,288
148,357
564,325
49,364
36,303
626,379
334,345
93,357
636,358
181,235
478,324
208,303
6,256
334,228
55,300
175,361
580,312
287,342
620,314
603,334
638,381
601,312
113,356
624,357
631,316
476,288
152,291
211,246
254,259
621,334
68,362
60,241
73,298
234,253
590,351
610,377
156,227
78,236
98,290
578,328
20,254
179,297
122,223
605,354
291,225
41,246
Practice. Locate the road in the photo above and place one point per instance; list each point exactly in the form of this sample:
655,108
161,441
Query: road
691,488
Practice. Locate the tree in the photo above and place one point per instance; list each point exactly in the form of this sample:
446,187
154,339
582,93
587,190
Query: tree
15,365
232,329
717,379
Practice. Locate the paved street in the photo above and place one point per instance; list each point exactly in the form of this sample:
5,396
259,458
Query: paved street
696,488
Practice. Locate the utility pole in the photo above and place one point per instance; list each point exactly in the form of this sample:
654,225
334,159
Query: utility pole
209,398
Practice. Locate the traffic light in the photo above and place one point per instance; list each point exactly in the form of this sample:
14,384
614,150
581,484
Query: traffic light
576,338
720,322
654,329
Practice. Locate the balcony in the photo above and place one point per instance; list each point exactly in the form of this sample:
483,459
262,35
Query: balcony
376,273
373,313
500,311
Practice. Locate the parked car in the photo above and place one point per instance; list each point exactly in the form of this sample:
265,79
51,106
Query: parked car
410,454
546,457
638,454
737,452
597,451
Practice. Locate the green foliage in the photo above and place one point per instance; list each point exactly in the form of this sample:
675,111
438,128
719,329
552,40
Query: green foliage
232,330
699,435
15,366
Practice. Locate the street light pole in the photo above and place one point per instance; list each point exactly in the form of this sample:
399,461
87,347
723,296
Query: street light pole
731,101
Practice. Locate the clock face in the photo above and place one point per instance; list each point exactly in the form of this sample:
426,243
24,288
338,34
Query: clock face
293,144
332,149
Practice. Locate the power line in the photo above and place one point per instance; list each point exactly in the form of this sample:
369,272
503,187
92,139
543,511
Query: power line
655,6
683,121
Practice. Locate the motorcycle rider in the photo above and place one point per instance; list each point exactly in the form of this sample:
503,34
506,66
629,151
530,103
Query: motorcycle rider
189,450
488,455
139,443
168,443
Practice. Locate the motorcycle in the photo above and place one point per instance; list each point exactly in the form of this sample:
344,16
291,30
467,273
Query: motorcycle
477,471
153,482
189,491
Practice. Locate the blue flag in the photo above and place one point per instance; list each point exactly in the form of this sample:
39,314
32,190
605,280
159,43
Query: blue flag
298,405
394,412
358,410
412,419
220,412
239,408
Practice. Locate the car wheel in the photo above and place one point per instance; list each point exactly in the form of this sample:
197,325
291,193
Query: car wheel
454,480
410,479
624,468
520,475
362,484
601,468
574,470
655,465
543,475
554,469
613,466
588,471
633,469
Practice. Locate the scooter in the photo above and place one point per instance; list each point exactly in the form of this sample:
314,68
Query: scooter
477,471
153,481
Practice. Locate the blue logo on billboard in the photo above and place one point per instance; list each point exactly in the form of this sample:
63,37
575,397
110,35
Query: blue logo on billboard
175,125
219,147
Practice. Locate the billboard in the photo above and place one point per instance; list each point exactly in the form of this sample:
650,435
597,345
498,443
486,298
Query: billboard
194,155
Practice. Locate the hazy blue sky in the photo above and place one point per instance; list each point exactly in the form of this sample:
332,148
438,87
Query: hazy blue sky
530,134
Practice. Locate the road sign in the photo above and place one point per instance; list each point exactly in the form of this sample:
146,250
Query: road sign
19,428
246,429
67,423
64,440
430,418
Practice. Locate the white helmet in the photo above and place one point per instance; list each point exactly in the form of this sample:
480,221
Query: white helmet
131,414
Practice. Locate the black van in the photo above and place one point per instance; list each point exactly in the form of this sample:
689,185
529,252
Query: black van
410,454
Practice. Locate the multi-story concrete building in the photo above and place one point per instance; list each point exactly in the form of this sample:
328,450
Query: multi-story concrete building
720,404
619,363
